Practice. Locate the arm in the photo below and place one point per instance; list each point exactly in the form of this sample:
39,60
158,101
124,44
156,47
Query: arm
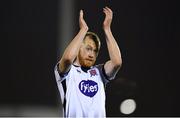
113,65
72,49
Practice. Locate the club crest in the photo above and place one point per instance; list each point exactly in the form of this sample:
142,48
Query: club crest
93,72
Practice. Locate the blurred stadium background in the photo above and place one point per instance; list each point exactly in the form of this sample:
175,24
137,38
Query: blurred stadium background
35,33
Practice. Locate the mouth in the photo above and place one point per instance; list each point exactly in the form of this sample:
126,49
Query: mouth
90,60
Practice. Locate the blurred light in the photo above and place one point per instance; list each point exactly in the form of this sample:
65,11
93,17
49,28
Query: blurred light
128,106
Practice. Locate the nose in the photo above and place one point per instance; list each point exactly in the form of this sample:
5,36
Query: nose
91,54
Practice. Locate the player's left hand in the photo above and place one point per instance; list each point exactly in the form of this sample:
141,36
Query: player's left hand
108,18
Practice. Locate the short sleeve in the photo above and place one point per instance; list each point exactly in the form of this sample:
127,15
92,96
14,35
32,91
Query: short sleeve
104,77
60,77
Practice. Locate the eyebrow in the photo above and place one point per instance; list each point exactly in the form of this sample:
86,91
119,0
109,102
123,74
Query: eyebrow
89,45
92,47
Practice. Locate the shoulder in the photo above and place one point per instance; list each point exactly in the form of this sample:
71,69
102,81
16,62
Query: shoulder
99,66
72,68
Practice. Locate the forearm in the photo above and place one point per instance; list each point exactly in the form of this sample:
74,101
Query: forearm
72,50
113,48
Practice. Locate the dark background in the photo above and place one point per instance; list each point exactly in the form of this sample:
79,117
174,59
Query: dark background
147,32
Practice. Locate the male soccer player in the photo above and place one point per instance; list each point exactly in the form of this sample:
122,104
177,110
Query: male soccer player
80,82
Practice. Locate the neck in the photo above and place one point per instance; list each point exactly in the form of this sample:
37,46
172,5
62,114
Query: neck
85,69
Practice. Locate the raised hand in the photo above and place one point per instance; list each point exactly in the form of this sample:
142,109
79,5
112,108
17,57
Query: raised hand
108,18
82,23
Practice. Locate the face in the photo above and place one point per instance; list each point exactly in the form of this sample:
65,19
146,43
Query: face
87,53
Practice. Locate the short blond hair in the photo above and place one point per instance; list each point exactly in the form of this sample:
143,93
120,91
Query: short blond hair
95,38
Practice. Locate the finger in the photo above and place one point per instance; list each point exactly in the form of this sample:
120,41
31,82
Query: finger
105,10
81,13
109,10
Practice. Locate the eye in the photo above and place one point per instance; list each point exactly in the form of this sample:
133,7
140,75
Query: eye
88,48
95,51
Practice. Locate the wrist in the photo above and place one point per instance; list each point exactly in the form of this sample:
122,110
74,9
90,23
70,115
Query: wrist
84,29
106,30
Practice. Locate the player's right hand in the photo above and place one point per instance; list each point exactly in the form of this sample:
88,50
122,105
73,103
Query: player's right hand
82,23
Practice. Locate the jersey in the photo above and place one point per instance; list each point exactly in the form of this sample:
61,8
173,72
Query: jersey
83,92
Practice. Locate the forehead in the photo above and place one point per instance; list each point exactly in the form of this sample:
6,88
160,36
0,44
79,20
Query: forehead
89,41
